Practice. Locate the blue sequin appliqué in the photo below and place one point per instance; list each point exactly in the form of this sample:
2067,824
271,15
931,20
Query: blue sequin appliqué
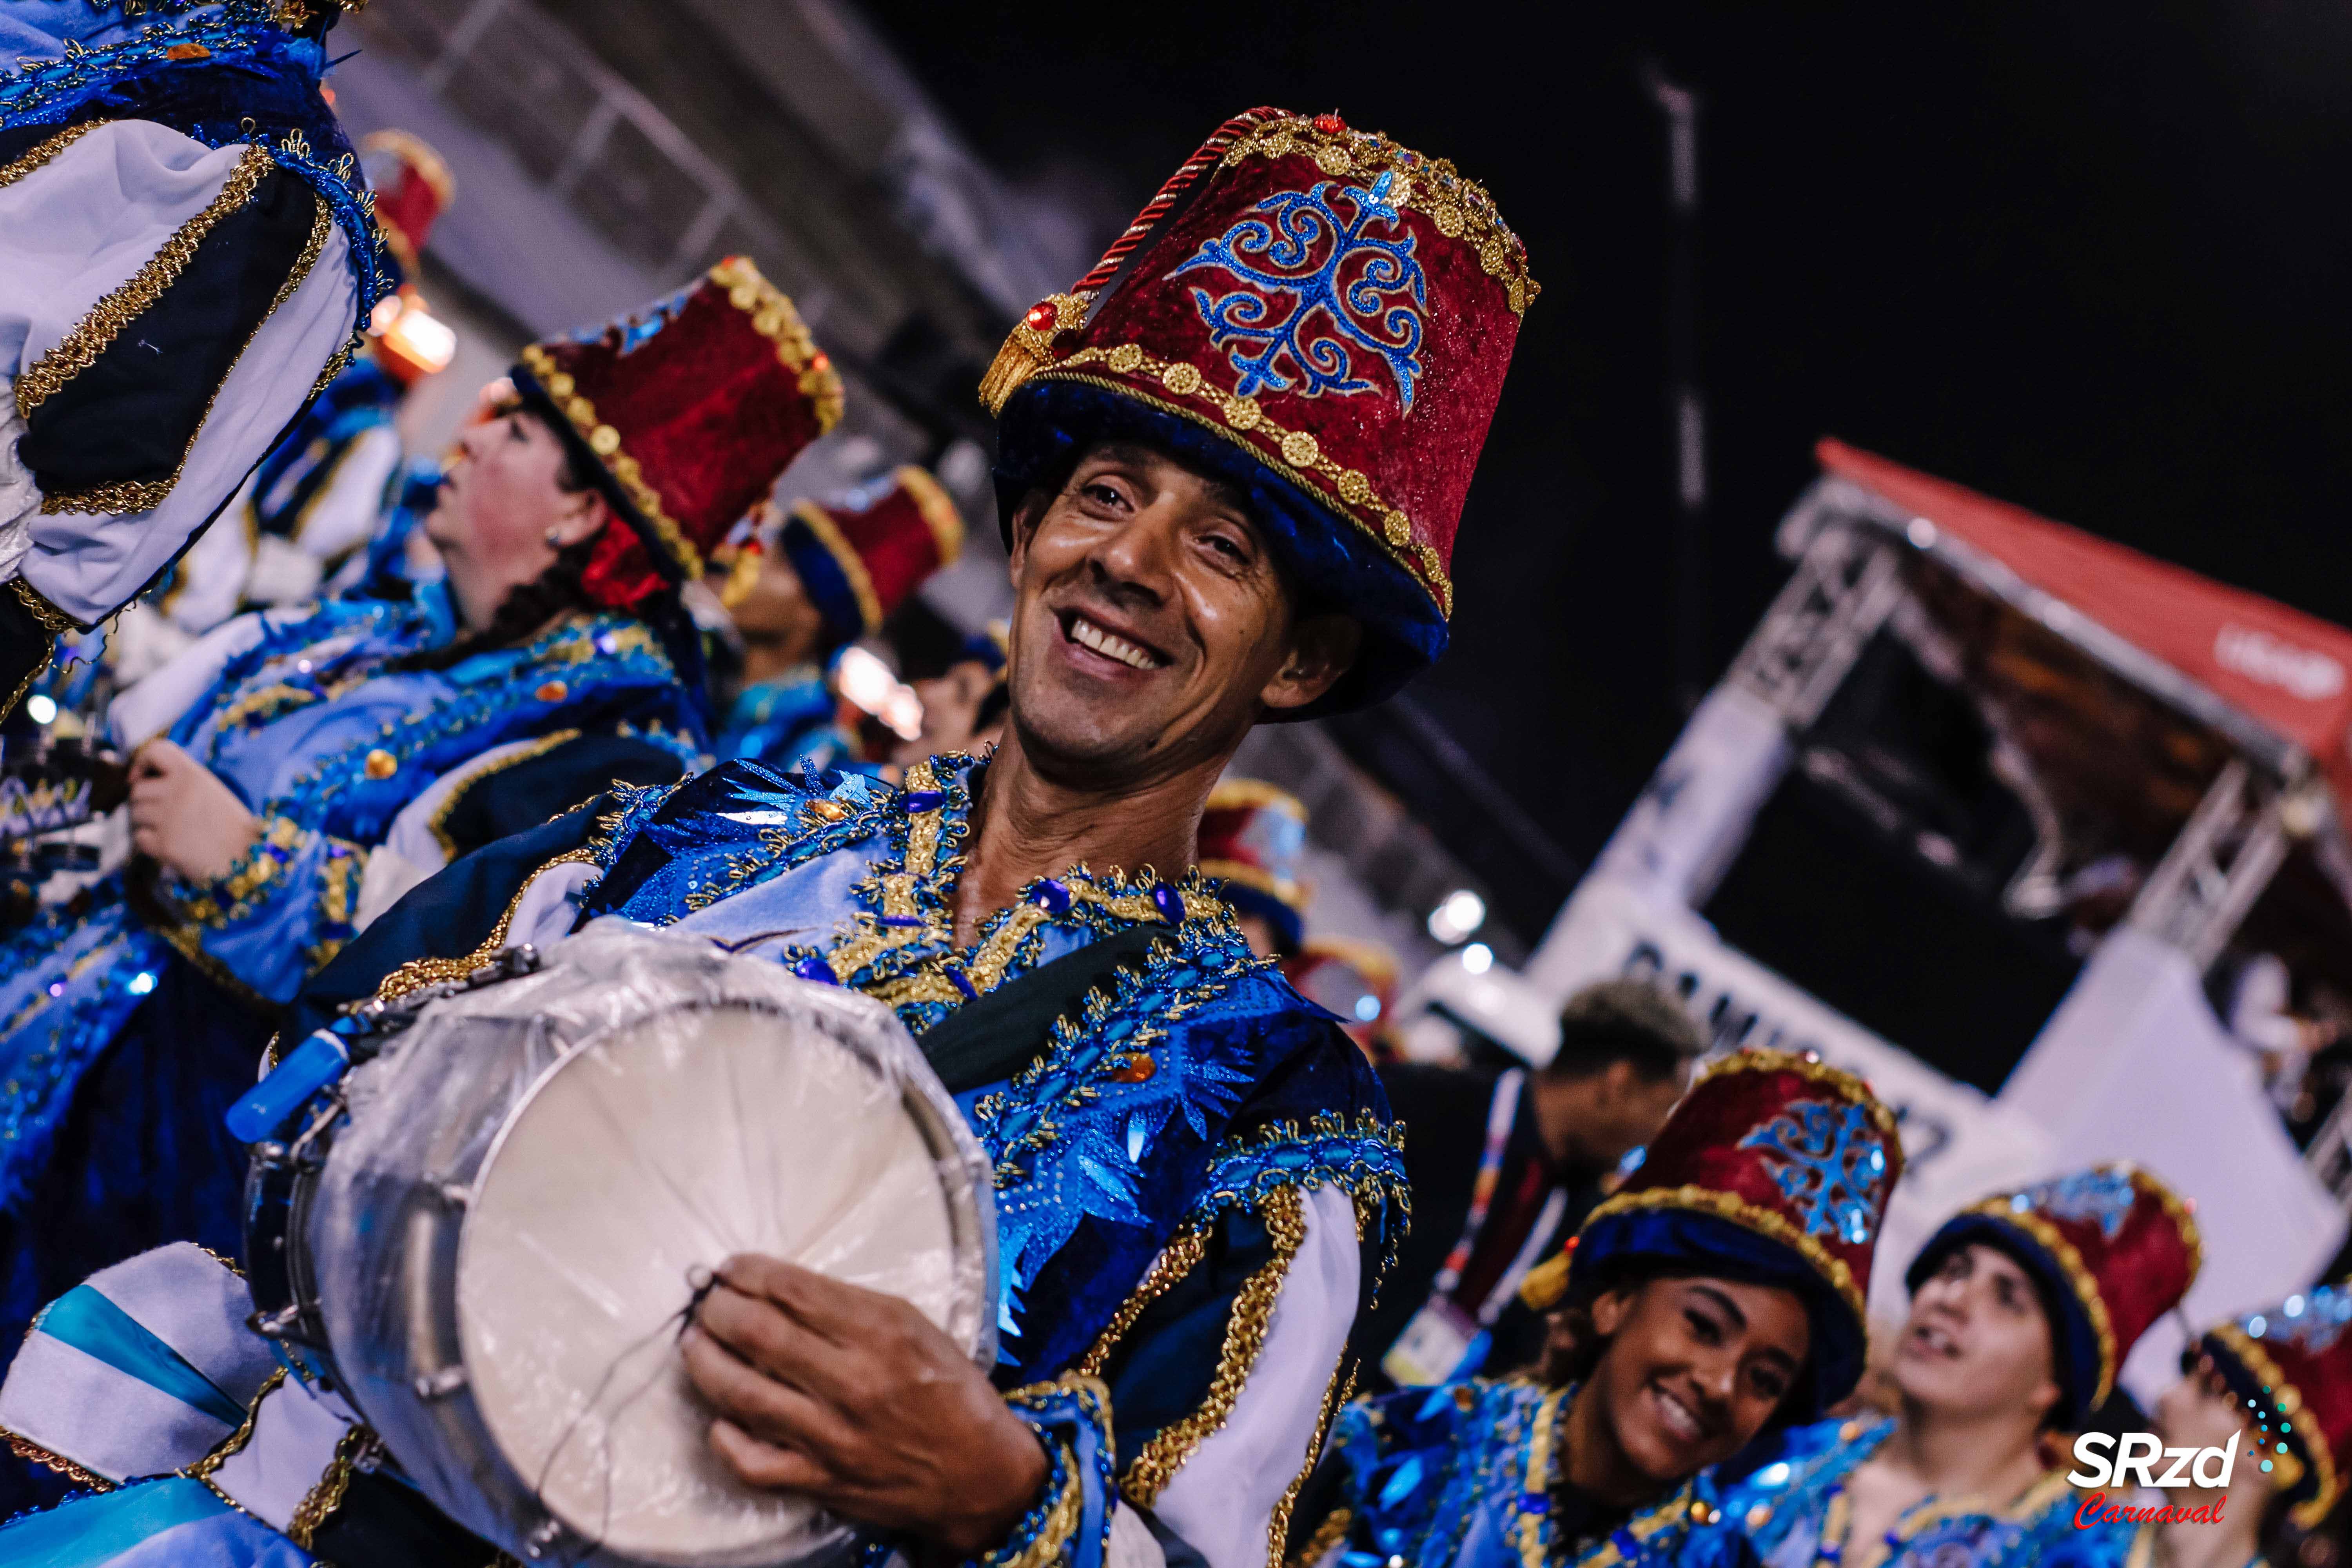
2318,1322
2100,1196
1831,1164
1316,287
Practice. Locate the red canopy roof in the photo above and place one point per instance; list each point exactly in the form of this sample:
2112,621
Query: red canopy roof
2289,670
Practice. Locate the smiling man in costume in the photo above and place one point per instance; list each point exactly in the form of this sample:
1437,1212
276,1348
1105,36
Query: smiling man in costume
2023,1310
1232,462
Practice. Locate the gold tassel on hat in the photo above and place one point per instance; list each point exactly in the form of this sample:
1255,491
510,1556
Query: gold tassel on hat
1028,347
1547,1283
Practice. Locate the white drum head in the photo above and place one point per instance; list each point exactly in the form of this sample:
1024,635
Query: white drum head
641,1162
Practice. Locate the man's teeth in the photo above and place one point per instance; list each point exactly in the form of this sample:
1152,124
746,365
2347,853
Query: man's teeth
1938,1341
1085,631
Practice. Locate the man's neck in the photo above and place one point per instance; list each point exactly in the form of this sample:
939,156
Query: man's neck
1031,825
1995,1455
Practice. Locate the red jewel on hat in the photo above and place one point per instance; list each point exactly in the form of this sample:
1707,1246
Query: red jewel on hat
1043,315
1329,124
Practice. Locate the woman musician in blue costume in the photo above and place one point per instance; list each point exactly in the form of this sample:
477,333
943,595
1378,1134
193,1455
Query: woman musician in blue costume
2023,1307
1720,1291
1195,1173
298,770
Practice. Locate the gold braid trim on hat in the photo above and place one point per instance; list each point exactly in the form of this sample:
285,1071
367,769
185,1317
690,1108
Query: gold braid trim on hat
2079,1278
1764,1222
1254,794
775,318
819,521
1460,207
2174,1209
606,443
938,509
79,349
2313,1451
1301,455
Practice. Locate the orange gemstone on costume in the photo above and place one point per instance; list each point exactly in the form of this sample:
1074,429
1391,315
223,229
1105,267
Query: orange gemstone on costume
551,691
1135,1069
381,764
187,52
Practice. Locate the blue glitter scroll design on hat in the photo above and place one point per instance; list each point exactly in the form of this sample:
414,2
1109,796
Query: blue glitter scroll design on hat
1829,1163
1316,287
2311,1324
2103,1197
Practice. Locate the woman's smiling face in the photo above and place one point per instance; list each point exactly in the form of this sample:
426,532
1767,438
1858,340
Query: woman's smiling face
1694,1368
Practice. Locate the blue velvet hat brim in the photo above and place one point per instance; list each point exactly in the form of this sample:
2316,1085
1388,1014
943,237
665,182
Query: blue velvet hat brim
1335,564
1711,1245
1248,900
2074,1338
822,581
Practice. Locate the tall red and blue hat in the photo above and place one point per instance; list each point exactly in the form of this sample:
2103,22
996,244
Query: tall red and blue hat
1774,1169
1253,846
2291,1367
862,556
687,414
1317,316
2112,1248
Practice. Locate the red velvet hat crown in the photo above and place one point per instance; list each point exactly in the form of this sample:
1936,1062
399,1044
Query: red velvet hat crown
412,187
1327,308
691,410
863,558
2292,1367
1253,840
1773,1166
2118,1246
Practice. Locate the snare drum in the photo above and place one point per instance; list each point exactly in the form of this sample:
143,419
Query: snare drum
492,1230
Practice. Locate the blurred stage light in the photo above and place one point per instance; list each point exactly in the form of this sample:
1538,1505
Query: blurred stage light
43,709
1460,913
1478,958
868,684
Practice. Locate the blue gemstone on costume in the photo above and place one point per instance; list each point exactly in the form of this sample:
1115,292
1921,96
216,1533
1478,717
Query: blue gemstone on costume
902,919
2104,1196
955,973
818,970
1168,902
926,799
1401,1482
1821,1155
1053,897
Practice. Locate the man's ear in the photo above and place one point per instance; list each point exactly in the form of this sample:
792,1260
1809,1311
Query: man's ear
1322,649
1025,519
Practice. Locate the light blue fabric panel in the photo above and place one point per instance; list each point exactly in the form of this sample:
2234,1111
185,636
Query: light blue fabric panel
170,1523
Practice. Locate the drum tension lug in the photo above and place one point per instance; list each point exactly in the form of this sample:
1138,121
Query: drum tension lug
457,1194
441,1384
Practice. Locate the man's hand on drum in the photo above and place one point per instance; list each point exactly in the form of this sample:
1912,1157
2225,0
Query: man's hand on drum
182,814
854,1398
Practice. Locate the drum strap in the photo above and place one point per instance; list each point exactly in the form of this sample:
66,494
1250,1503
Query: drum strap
991,1037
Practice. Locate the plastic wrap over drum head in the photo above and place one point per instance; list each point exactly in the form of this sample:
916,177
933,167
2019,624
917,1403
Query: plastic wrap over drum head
663,1107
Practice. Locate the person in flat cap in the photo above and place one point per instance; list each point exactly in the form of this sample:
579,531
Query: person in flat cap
2023,1307
2276,1387
1253,844
803,587
1718,1292
187,255
1232,461
299,769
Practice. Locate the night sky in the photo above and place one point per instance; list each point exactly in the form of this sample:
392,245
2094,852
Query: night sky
2090,259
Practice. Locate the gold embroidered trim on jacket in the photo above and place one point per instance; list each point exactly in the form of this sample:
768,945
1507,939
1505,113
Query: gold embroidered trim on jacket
243,1434
79,349
52,619
1179,1257
419,972
125,498
1335,1394
31,160
819,521
1245,1331
439,822
24,1447
1327,1534
325,1496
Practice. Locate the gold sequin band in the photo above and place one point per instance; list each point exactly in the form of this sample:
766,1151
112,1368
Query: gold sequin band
1460,207
1764,1222
938,509
1543,1434
604,442
1253,1315
819,523
79,349
775,318
1301,454
123,499
2266,1372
